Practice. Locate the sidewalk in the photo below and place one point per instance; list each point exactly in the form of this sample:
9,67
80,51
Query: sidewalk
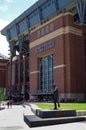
12,119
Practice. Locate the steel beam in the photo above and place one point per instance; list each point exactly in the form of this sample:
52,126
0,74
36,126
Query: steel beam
28,26
40,13
81,5
56,5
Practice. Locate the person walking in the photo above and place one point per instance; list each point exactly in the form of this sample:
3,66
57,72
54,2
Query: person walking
8,104
56,97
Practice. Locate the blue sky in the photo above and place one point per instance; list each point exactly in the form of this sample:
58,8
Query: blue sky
9,10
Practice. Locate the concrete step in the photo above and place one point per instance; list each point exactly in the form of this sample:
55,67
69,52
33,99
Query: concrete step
55,113
35,121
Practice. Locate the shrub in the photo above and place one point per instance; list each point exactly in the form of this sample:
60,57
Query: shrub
2,97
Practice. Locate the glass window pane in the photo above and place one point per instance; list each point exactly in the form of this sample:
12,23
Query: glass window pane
46,73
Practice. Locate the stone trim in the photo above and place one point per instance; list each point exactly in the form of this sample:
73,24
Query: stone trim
56,33
34,72
59,66
76,96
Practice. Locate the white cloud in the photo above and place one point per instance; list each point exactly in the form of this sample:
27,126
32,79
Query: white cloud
3,42
3,23
3,8
3,45
9,1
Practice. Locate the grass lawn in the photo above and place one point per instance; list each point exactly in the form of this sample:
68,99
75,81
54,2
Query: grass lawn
74,106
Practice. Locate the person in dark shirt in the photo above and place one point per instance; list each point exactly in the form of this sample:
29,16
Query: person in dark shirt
8,104
56,97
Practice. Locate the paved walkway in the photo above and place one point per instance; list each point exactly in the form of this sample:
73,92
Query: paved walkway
12,119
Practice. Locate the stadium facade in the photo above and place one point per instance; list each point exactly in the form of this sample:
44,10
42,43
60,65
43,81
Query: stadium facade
48,45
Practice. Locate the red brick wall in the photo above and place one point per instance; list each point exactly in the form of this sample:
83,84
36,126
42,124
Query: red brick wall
3,64
8,76
68,54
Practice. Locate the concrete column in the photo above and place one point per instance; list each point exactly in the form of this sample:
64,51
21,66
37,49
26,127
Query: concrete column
10,75
19,72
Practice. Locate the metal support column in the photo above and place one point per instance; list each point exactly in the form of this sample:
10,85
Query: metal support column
20,39
28,25
56,5
40,13
81,5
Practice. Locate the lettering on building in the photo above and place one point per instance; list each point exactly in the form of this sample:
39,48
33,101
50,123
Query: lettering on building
44,47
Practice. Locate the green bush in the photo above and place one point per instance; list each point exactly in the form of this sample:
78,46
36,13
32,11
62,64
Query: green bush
2,97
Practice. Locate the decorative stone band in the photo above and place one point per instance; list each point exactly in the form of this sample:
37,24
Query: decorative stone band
55,67
2,64
34,72
59,66
2,69
76,96
56,33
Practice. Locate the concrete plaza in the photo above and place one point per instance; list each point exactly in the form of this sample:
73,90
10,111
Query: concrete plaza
12,119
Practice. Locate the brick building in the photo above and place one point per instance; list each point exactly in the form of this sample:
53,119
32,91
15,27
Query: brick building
3,71
48,45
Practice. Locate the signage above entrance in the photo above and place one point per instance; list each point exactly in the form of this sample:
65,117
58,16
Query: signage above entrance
44,47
